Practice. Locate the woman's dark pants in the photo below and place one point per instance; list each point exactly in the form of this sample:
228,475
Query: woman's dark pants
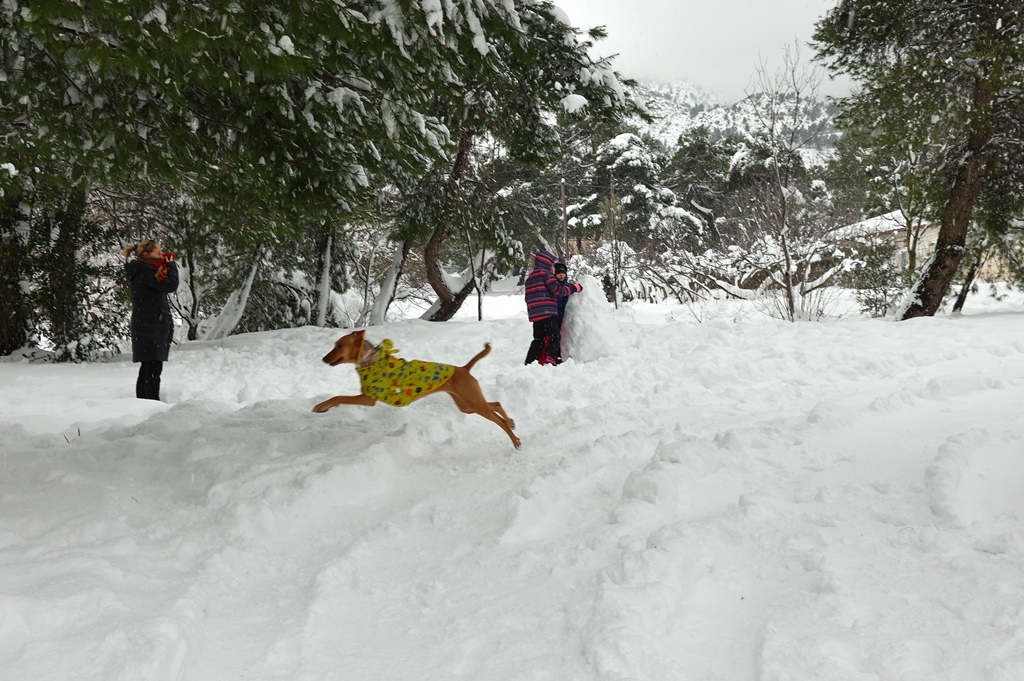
148,385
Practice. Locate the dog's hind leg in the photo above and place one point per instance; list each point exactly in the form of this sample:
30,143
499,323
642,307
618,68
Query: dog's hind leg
488,413
496,406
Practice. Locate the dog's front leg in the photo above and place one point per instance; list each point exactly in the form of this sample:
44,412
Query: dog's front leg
361,400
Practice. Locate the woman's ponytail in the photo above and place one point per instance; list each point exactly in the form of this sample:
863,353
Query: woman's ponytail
140,249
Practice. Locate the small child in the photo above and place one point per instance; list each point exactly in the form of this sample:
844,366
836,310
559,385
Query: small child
568,288
561,273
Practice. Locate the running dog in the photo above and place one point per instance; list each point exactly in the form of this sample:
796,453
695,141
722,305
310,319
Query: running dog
395,381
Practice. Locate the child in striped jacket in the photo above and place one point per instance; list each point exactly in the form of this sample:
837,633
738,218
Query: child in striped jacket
543,291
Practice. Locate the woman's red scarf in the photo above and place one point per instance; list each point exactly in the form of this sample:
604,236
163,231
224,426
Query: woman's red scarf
159,263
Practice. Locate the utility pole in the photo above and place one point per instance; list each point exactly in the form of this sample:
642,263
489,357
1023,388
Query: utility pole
615,246
565,227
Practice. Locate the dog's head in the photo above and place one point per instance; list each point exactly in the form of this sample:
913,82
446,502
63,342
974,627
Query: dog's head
346,349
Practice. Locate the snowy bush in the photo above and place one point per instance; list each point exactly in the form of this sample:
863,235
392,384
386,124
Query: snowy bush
878,281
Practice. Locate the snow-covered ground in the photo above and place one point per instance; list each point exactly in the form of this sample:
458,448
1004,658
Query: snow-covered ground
732,500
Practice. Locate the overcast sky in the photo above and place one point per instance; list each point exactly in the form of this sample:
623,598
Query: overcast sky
716,44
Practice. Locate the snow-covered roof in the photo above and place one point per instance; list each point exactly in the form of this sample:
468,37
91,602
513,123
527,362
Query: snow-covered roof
880,224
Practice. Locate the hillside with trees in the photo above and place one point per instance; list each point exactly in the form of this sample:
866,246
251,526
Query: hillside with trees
678,107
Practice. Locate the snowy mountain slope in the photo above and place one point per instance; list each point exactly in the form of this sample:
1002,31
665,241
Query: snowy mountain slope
679,106
736,500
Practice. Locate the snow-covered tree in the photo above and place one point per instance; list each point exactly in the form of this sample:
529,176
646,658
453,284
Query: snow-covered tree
626,178
945,79
252,100
272,115
513,90
261,106
698,173
532,198
781,223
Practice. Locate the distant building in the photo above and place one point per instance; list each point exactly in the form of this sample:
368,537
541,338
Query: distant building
892,228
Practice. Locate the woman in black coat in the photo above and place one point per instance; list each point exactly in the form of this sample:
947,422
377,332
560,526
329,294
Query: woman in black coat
151,275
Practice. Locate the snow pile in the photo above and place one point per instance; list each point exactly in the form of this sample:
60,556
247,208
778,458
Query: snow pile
728,501
589,331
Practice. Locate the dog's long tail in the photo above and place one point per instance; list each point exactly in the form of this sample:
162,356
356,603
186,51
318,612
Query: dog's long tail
479,356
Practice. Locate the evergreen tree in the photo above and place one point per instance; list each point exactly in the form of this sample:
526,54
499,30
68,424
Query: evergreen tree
943,78
626,181
698,173
571,177
253,100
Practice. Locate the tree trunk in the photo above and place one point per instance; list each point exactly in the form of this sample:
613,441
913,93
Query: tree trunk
322,290
432,262
444,310
186,300
788,277
234,308
911,238
968,282
480,289
925,297
389,286
449,302
14,321
63,277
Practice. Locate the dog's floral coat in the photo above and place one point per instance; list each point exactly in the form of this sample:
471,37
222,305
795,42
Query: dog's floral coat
398,382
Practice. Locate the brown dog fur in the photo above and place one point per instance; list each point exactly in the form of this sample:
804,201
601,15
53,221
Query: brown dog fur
463,388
